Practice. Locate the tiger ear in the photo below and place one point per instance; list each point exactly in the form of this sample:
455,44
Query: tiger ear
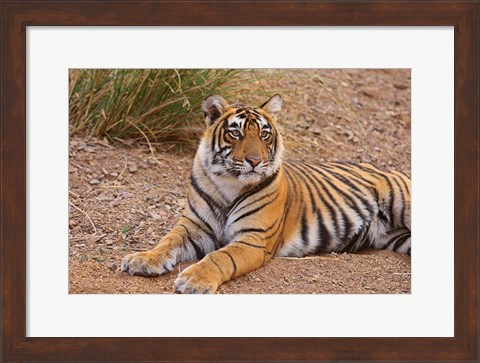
273,105
213,108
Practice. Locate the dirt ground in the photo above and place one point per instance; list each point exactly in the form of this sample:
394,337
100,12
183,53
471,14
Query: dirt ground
124,198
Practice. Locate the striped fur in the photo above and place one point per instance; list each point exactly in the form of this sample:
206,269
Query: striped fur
245,205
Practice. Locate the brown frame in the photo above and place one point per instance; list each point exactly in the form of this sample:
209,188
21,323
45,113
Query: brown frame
17,15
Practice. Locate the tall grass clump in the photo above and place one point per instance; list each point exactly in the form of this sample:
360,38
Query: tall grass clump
155,104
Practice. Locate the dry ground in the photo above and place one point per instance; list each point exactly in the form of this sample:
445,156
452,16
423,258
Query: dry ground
123,198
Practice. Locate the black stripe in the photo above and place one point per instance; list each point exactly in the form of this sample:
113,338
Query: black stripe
400,243
219,191
402,198
219,135
255,230
368,168
254,210
280,224
198,251
249,244
292,180
404,193
216,264
198,216
395,239
214,136
356,242
355,175
212,205
255,201
201,228
304,228
265,183
233,262
181,235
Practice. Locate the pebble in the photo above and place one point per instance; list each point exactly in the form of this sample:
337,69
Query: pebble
94,181
133,169
90,149
153,215
112,267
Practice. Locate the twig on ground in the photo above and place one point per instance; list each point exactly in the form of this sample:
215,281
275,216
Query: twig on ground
74,194
298,258
86,215
124,168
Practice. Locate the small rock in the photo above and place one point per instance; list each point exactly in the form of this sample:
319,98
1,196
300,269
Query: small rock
371,92
316,130
133,168
104,198
400,85
112,267
109,242
153,215
94,181
90,149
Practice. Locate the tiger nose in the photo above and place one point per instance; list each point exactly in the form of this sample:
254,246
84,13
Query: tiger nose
253,161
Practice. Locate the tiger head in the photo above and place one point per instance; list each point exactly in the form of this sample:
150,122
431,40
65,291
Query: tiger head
241,141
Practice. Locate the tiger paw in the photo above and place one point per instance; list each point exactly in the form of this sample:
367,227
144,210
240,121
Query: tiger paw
195,280
148,264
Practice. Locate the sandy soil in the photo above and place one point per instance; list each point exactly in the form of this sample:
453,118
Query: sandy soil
123,197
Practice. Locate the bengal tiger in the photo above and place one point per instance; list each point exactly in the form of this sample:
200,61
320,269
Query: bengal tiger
246,205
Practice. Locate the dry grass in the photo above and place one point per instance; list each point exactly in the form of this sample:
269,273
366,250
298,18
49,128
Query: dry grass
145,104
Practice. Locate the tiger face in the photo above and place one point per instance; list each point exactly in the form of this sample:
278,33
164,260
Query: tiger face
241,142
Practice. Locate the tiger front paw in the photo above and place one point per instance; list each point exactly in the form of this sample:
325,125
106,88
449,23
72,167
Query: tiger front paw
148,264
196,280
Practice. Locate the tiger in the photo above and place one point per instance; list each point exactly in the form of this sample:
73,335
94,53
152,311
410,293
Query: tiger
246,205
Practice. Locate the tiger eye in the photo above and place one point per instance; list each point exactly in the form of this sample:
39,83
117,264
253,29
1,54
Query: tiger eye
235,133
264,134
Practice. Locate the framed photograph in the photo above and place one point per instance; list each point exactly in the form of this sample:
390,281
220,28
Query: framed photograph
310,169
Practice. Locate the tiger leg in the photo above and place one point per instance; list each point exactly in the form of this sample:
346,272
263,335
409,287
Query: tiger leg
185,242
395,212
238,258
397,240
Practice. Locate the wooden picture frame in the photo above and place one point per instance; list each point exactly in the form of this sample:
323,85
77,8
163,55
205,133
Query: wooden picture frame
17,16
